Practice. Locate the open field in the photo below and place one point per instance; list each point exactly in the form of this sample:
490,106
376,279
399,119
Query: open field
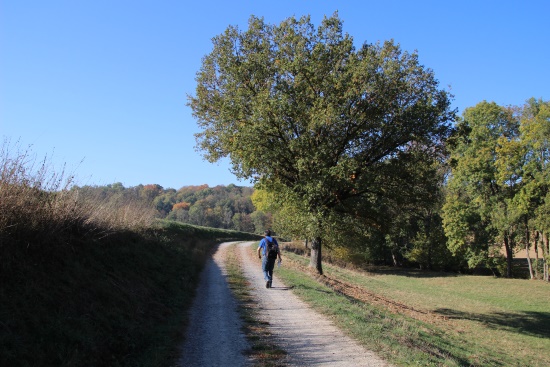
438,319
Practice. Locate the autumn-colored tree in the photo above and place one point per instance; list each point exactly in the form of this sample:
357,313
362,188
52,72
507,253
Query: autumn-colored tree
181,206
151,191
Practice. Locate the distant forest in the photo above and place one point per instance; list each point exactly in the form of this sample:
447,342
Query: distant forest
227,207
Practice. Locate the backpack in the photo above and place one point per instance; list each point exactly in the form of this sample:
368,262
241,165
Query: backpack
271,249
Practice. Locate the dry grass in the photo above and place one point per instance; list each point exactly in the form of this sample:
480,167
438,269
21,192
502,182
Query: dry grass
88,280
39,205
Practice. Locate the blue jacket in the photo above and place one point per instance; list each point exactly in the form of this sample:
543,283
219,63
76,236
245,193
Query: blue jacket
263,244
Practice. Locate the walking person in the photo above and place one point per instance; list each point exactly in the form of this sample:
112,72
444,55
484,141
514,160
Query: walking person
268,251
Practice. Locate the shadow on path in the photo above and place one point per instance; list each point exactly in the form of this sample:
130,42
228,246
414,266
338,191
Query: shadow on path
281,288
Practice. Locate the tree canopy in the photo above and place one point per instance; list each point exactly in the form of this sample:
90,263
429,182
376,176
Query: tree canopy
316,121
497,194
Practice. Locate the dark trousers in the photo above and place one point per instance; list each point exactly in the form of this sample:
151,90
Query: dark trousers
267,267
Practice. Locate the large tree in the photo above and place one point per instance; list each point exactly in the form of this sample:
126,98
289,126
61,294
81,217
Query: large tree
313,119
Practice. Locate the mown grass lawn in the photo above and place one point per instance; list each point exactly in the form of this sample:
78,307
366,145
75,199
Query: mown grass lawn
436,319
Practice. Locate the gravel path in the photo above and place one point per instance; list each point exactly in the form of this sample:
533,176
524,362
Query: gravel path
214,337
310,339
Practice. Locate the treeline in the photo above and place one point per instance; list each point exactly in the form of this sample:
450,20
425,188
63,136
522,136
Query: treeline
481,202
497,194
476,205
226,207
358,149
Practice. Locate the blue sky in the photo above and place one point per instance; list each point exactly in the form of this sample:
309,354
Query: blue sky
101,85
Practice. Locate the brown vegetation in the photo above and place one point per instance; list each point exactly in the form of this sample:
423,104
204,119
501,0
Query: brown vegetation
38,205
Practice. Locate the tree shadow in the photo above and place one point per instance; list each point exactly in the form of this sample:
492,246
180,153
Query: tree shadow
529,322
408,272
281,288
311,288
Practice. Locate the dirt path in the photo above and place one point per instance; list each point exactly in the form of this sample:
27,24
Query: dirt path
310,339
214,337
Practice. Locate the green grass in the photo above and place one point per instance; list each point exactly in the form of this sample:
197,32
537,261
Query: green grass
433,290
489,321
114,301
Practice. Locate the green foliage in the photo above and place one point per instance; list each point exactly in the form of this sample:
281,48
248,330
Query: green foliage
314,120
206,233
429,247
499,181
535,138
228,207
476,214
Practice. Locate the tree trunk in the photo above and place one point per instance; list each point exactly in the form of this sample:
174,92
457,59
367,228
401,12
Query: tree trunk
394,259
509,256
315,259
536,243
545,251
527,243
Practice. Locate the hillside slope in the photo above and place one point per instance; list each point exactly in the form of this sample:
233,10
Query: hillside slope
117,301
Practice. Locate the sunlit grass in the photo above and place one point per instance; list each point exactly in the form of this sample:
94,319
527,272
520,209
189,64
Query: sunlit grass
466,320
38,205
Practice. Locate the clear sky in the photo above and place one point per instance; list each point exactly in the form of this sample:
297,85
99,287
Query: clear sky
101,85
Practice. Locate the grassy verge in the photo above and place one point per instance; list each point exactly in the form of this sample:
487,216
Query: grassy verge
506,316
113,301
263,351
431,319
88,279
